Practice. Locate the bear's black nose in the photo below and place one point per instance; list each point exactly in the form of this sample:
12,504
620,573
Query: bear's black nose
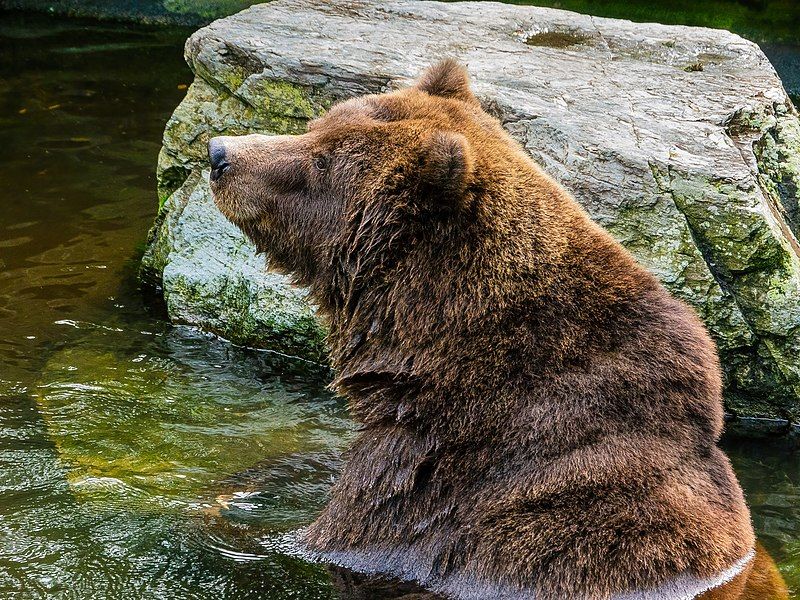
216,156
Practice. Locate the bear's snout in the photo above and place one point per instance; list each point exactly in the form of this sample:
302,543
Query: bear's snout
258,176
216,156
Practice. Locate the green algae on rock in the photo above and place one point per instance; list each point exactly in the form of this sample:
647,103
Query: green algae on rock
211,276
694,170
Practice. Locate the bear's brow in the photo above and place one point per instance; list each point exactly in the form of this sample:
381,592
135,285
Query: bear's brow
355,111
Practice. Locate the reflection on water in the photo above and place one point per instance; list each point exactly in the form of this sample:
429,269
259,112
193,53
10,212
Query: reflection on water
138,459
157,421
760,578
770,477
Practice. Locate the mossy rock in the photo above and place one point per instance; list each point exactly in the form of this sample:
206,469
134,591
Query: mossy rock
212,277
694,170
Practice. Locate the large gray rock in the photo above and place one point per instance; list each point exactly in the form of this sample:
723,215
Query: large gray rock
680,141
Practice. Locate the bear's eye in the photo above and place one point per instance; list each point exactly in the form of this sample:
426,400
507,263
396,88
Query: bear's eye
320,163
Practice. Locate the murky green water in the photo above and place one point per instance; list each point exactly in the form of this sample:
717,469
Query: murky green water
140,460
117,431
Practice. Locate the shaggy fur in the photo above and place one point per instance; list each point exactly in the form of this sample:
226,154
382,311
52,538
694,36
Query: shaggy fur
538,415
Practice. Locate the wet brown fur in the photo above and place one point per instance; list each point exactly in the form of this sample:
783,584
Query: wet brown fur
538,415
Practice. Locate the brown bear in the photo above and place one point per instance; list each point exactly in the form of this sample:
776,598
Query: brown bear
538,415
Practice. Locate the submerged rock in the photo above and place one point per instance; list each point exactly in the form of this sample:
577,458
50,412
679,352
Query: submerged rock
680,141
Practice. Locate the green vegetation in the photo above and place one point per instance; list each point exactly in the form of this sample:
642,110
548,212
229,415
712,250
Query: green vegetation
206,9
758,20
180,12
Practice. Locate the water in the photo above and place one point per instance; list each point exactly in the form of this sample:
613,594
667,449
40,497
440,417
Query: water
117,431
137,459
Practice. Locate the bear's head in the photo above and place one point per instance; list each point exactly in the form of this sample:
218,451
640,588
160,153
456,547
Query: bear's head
371,179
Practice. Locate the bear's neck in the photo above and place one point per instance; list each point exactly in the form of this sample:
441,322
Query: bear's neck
424,311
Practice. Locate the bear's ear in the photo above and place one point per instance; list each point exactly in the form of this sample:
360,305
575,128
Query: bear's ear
447,79
447,169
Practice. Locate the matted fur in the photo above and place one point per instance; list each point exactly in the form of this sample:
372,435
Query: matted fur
537,412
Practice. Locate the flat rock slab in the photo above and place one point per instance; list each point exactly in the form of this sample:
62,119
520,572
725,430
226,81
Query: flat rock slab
680,141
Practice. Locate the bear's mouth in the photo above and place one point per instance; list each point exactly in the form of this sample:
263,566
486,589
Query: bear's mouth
217,157
219,171
235,209
224,204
